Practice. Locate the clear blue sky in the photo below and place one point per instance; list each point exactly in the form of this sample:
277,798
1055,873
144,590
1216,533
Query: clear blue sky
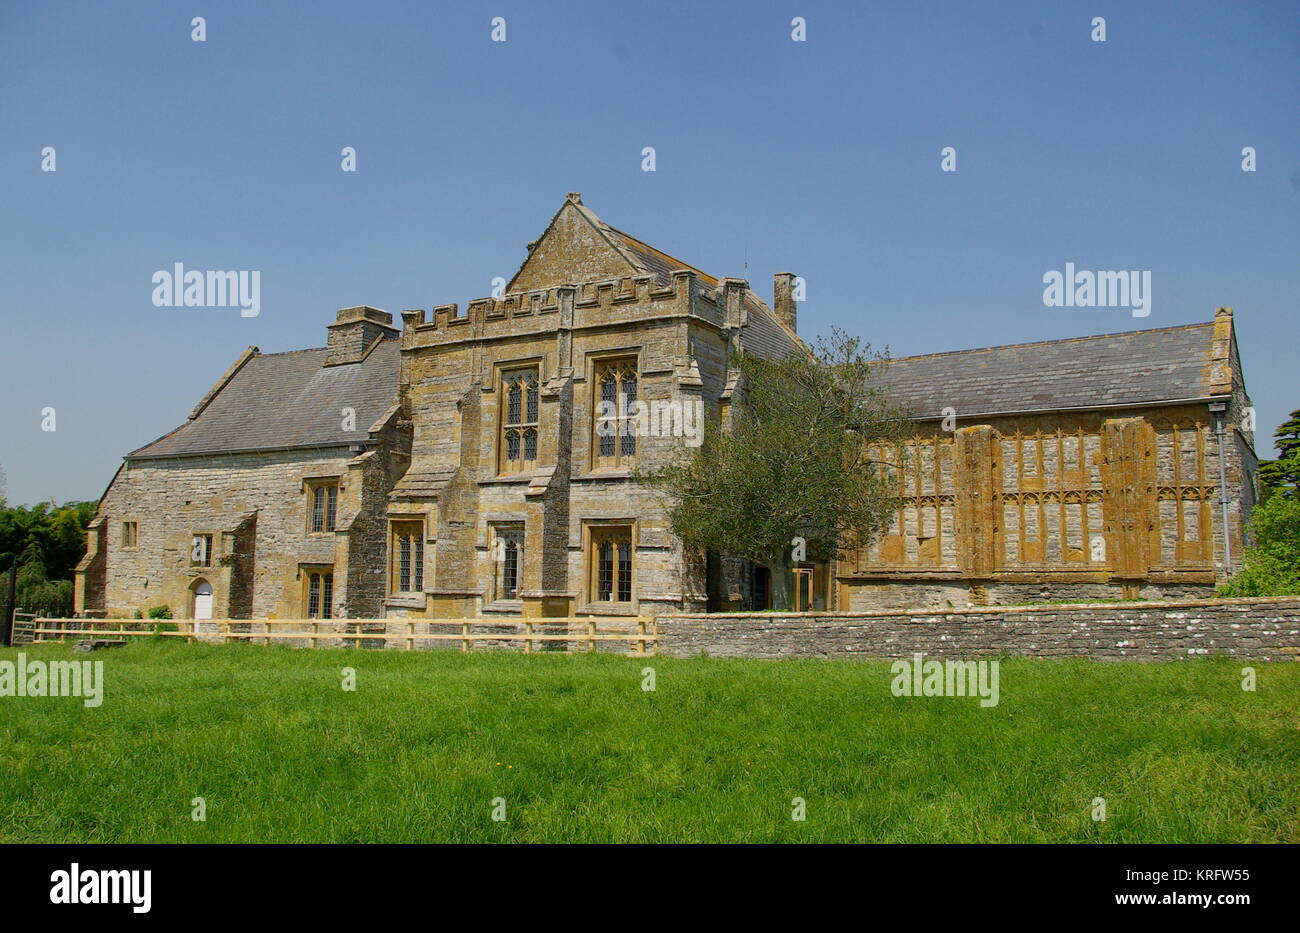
819,157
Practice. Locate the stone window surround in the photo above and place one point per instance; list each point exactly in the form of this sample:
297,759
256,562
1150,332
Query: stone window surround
589,567
594,362
308,486
494,528
396,520
503,369
133,537
305,573
211,555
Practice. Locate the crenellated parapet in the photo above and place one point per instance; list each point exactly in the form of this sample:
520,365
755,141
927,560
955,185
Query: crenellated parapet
591,304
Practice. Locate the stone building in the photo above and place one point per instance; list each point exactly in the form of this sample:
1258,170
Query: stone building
1084,468
269,500
476,463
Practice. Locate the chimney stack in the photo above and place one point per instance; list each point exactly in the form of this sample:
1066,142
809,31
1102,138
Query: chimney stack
783,299
355,330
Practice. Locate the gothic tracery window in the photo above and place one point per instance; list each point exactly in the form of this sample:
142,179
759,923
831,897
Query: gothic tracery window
519,420
615,425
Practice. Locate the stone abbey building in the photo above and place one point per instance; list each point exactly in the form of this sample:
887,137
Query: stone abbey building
462,463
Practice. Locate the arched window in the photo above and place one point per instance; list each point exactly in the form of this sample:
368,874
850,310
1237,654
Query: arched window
518,420
614,424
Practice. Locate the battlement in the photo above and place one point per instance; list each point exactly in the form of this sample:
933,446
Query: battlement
587,302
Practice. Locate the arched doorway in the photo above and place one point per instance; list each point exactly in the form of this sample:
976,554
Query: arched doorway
202,600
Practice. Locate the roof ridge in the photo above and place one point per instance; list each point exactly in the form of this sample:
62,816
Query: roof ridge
1039,343
389,338
291,352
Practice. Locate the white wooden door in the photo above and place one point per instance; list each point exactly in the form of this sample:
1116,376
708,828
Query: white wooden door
203,601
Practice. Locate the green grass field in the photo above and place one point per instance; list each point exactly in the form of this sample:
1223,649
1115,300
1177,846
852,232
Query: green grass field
580,753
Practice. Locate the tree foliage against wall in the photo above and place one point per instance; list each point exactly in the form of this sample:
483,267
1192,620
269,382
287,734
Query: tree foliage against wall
793,465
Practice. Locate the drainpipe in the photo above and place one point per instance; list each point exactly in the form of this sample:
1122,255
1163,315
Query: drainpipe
1220,410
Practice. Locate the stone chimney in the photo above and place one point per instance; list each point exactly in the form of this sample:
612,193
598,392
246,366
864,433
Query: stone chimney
353,333
783,302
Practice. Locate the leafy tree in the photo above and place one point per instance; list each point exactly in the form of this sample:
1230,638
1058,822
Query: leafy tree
1282,476
794,463
1271,564
47,542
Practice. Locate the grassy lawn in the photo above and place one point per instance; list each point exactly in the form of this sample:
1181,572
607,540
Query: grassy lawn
581,753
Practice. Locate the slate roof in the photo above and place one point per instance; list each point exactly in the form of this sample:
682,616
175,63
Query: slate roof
655,261
281,400
764,335
285,400
1167,364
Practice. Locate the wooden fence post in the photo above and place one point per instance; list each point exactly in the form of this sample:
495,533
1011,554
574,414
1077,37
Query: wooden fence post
528,636
464,636
640,631
315,631
410,636
591,633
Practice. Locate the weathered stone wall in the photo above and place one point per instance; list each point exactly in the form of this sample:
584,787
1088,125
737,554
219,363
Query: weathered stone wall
361,571
452,367
255,507
1267,629
572,307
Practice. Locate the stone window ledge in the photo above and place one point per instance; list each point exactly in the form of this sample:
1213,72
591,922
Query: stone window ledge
606,609
405,602
505,605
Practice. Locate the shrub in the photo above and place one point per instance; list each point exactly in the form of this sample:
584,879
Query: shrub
160,612
1271,564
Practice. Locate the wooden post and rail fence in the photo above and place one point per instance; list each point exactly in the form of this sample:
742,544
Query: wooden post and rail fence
638,633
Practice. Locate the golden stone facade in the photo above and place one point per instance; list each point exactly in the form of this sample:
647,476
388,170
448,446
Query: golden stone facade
1099,502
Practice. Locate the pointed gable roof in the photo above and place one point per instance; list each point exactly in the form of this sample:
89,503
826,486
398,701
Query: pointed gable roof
577,246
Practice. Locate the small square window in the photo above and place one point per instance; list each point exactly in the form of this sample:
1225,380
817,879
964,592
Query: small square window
130,534
201,551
